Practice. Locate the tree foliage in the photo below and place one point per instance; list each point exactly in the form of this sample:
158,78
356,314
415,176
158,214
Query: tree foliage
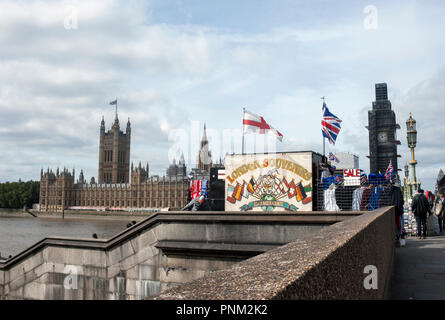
18,194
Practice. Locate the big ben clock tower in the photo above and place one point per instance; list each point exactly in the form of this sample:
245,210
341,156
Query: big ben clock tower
382,128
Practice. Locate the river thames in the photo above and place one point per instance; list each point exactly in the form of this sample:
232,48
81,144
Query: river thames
19,233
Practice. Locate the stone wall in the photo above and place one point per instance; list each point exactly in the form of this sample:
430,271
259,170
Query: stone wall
329,264
157,253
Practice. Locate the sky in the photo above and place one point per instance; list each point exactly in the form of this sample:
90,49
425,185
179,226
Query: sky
174,65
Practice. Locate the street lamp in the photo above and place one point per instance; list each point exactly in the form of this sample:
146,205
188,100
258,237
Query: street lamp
411,132
411,135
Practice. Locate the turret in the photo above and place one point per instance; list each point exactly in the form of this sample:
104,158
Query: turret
128,126
182,161
102,125
81,177
101,150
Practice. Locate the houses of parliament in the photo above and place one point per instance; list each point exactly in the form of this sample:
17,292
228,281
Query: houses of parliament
121,185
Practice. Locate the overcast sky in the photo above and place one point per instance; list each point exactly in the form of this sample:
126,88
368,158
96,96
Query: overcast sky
174,65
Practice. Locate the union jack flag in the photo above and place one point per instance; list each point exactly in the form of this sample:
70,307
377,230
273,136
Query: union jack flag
330,125
389,171
333,157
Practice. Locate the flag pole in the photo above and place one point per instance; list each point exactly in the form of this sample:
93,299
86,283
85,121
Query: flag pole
242,147
324,139
324,153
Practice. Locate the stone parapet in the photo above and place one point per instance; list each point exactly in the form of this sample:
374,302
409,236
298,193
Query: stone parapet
329,264
153,255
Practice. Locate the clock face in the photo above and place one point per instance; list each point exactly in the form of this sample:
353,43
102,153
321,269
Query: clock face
382,137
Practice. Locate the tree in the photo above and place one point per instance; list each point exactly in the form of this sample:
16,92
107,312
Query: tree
18,194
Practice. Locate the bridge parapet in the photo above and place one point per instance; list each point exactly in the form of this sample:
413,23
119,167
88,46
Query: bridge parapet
330,264
164,250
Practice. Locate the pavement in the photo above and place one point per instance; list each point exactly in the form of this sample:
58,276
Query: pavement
419,270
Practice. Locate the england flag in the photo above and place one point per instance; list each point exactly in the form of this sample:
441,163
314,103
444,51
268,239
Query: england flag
256,123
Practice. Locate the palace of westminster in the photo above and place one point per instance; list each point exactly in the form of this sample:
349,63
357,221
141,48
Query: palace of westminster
121,185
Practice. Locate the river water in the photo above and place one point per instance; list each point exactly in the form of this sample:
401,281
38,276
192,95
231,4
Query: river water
17,233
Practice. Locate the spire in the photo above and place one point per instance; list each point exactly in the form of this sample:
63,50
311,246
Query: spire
131,166
147,167
204,156
182,161
204,136
102,123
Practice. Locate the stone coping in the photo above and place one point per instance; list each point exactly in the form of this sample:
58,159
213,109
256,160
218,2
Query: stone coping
184,217
325,265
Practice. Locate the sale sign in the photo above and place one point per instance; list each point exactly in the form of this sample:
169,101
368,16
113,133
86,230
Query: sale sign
351,177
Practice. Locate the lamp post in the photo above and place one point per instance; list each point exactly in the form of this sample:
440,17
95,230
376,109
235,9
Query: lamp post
406,189
411,134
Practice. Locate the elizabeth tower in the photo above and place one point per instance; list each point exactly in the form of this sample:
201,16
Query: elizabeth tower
382,128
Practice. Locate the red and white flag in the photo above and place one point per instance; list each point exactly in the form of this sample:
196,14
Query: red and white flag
256,123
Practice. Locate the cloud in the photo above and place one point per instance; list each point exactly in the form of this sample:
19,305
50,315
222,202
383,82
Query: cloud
56,83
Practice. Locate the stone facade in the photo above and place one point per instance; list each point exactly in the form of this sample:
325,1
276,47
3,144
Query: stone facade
114,153
118,187
58,192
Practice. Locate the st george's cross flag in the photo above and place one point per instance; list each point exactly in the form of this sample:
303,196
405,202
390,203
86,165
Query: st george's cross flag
256,123
113,102
330,125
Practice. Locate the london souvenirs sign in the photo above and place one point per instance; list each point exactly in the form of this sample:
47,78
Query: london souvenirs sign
269,182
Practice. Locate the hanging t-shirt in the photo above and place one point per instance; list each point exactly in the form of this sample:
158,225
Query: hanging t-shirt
365,199
374,199
357,198
330,203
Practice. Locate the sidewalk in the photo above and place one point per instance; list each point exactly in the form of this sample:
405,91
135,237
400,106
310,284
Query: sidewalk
419,270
